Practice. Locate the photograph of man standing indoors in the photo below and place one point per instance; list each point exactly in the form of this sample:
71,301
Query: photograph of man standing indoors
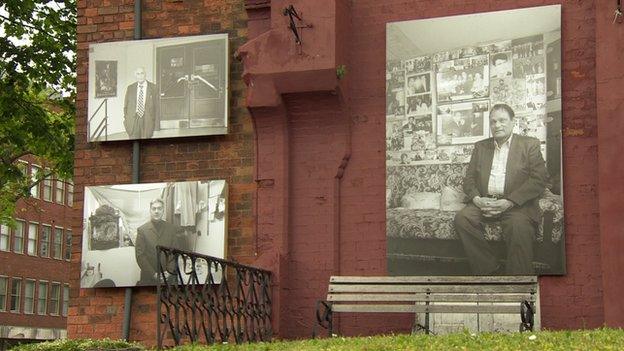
505,177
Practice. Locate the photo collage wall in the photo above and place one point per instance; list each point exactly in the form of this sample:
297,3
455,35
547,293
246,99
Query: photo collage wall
437,105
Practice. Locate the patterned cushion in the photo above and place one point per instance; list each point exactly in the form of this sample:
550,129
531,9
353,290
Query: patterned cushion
435,224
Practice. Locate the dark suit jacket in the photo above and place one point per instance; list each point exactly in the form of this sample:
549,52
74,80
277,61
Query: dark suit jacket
145,248
141,128
526,174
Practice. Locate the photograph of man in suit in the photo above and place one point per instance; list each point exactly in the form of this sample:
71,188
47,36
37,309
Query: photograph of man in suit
140,107
153,233
505,177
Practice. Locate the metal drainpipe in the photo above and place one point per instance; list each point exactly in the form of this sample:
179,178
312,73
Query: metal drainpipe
135,179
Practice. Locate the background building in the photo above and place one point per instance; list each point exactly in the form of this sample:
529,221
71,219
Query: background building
35,262
305,155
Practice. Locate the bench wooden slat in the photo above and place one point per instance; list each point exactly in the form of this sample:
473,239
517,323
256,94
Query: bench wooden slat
494,309
371,288
464,280
432,298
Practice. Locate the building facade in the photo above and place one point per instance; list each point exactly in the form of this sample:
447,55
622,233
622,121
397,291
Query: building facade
305,156
35,260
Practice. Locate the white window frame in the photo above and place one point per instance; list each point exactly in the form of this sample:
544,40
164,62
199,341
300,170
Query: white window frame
43,243
3,306
17,296
19,239
32,297
35,190
57,243
31,239
43,305
55,299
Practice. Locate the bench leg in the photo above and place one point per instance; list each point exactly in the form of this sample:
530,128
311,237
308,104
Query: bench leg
527,313
324,319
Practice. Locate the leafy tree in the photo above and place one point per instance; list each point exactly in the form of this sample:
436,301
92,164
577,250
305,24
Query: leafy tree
37,93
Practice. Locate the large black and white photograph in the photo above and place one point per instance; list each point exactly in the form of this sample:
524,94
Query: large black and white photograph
123,224
473,166
158,88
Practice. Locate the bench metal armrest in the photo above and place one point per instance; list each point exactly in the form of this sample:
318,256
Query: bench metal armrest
324,317
527,315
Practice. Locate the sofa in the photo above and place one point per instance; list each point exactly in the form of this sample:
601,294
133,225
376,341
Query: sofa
421,203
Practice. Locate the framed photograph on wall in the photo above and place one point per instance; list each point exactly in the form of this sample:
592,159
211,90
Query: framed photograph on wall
122,225
158,88
463,79
105,79
508,62
462,123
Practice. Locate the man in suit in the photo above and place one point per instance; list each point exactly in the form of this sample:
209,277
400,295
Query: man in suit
153,233
140,107
503,182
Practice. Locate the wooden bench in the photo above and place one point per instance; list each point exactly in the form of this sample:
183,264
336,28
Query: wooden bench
430,294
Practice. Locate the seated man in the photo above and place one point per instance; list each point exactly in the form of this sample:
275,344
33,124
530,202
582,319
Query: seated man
505,177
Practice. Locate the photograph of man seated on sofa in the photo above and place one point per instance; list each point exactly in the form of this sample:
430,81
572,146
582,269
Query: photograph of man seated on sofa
496,215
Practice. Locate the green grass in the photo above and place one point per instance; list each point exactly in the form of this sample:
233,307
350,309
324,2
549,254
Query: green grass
599,339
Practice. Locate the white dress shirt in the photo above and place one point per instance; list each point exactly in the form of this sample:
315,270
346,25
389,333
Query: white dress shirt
496,185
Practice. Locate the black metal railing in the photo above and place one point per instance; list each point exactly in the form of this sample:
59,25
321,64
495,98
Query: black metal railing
204,299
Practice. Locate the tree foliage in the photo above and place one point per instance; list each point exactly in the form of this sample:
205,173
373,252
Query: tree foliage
37,93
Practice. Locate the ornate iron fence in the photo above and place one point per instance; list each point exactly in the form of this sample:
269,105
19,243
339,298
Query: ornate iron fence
205,299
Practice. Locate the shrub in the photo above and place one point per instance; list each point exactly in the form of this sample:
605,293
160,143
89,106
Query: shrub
79,345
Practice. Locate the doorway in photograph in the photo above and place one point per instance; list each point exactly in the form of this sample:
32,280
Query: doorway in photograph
192,85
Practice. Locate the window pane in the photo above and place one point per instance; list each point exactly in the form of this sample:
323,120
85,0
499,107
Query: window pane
18,237
29,296
3,292
60,192
68,244
34,191
65,299
33,232
58,242
42,298
16,292
44,249
4,238
55,295
47,188
70,193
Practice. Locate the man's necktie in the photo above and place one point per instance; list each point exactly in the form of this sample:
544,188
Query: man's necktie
140,107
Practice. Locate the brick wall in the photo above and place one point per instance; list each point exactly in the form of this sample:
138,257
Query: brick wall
312,224
99,313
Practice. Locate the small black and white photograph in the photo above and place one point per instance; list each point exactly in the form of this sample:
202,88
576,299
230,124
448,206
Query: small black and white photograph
418,104
158,88
462,123
418,84
395,102
528,46
463,79
496,47
395,80
501,66
553,62
418,64
123,224
105,79
491,74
